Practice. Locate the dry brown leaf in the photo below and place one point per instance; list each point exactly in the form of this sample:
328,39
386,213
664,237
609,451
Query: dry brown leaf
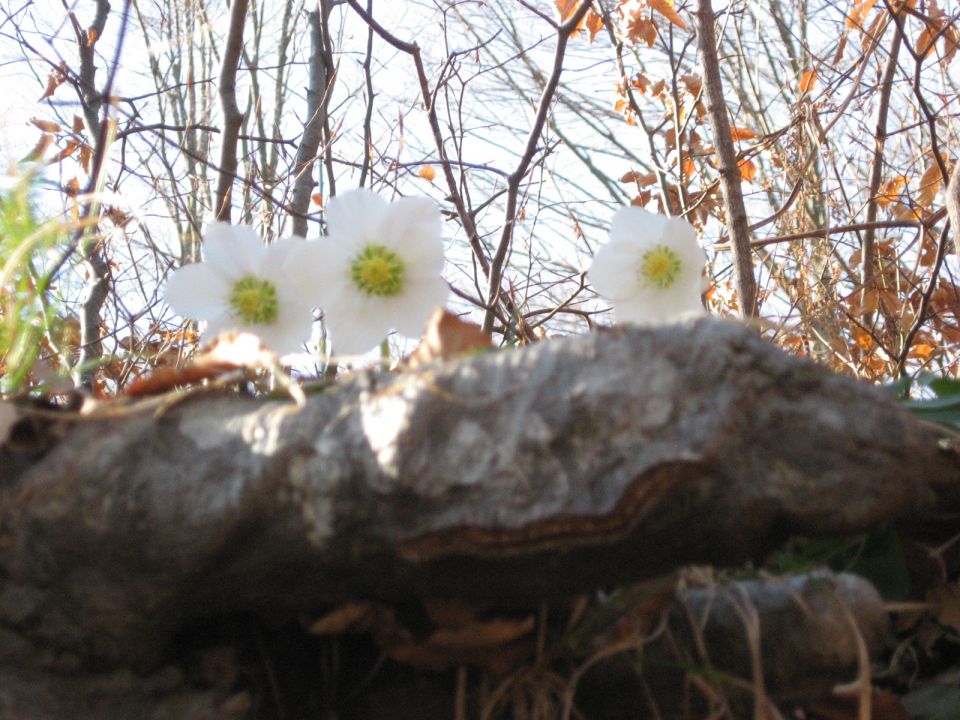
86,154
738,133
641,179
65,153
447,336
890,190
593,23
565,8
317,199
929,184
352,617
748,170
641,29
807,81
859,13
693,84
496,645
230,351
54,80
428,173
641,82
46,125
665,8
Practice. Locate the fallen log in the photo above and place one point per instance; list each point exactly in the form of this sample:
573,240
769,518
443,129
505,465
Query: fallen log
515,476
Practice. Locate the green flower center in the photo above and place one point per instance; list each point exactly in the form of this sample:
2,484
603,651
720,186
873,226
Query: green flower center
254,300
659,267
377,271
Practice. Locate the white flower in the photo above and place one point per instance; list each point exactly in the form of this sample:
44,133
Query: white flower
379,269
651,269
241,286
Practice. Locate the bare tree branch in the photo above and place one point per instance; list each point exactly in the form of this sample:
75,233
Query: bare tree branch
727,156
232,117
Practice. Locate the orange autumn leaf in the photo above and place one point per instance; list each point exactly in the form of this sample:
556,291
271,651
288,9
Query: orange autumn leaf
738,133
807,81
317,199
594,23
54,80
890,190
930,183
863,339
63,154
859,13
46,125
565,8
428,173
665,8
692,83
641,179
641,29
748,170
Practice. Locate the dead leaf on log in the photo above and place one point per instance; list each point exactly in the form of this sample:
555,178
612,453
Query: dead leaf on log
230,351
446,337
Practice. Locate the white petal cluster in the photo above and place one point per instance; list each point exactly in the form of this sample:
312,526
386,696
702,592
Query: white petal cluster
378,269
651,268
241,285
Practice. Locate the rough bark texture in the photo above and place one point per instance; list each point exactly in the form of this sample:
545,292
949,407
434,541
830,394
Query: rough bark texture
511,477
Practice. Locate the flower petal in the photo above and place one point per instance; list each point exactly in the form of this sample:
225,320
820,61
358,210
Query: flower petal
356,330
355,218
637,225
615,272
680,237
292,329
197,291
216,325
317,270
412,228
408,313
235,250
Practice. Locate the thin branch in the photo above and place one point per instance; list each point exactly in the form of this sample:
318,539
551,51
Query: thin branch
564,31
867,266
